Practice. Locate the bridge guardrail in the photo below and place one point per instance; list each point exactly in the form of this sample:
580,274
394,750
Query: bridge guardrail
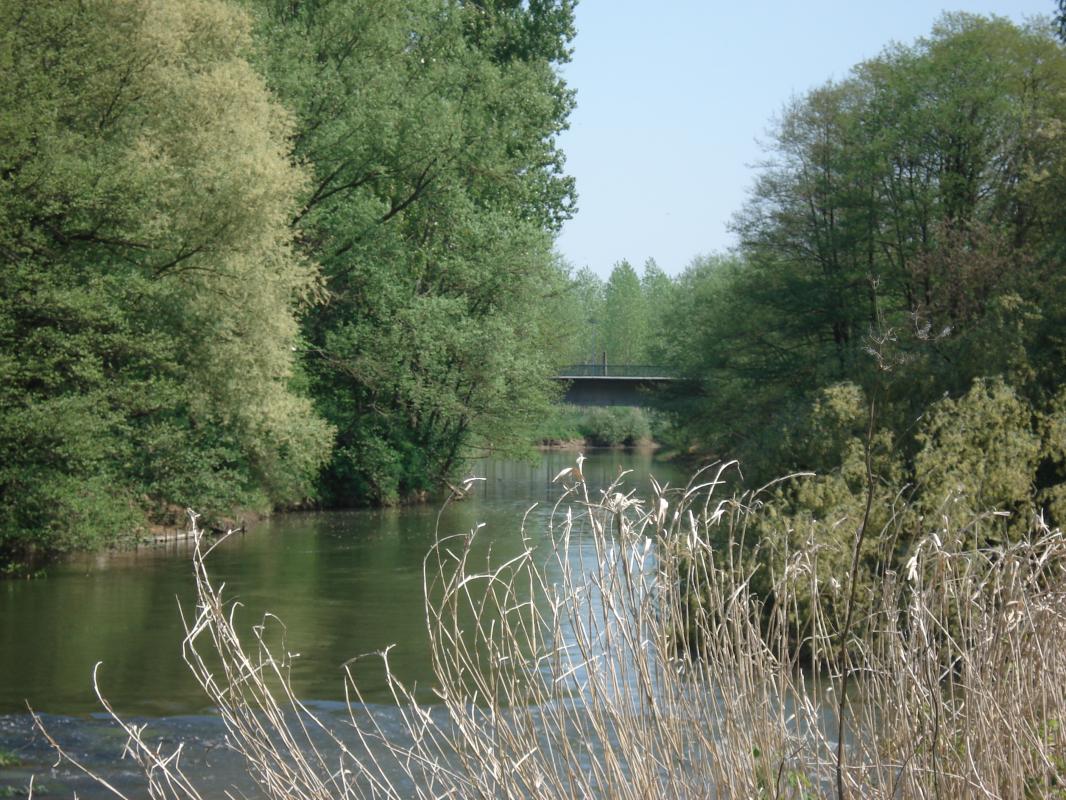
613,371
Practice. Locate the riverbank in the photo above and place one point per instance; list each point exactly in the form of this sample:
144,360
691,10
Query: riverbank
581,445
351,580
598,674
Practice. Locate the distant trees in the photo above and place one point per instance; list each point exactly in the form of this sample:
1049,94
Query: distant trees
623,316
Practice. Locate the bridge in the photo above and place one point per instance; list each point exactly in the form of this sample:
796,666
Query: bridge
611,384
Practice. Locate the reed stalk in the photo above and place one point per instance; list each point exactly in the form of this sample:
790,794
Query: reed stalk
632,659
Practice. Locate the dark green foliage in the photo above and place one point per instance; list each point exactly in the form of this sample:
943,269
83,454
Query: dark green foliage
158,245
147,284
892,321
903,247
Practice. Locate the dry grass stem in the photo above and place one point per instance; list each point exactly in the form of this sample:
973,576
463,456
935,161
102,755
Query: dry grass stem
633,660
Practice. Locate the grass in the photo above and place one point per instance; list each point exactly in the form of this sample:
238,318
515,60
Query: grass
633,660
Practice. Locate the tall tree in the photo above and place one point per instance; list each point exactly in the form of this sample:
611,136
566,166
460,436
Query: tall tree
901,237
659,306
590,290
430,127
625,319
149,281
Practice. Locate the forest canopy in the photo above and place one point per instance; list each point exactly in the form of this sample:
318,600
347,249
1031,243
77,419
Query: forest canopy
259,254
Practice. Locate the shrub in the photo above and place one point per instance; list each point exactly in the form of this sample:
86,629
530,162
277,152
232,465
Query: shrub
612,426
978,452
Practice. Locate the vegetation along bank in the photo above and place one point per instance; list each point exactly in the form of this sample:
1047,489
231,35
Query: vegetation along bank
261,255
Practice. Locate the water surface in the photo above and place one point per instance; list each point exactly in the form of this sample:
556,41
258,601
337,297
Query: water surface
345,583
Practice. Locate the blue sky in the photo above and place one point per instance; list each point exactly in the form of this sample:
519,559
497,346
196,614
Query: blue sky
674,95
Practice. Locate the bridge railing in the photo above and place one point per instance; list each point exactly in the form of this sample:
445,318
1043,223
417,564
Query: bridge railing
613,371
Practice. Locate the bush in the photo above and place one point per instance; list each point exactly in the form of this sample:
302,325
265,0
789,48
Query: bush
561,424
615,425
598,426
979,452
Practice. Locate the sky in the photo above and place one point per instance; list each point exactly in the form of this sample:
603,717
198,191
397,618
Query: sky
674,96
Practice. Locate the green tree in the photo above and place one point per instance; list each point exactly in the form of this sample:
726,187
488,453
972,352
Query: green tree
625,319
659,303
574,317
430,128
149,282
903,238
589,290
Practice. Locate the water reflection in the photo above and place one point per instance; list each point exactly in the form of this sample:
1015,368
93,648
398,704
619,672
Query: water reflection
345,584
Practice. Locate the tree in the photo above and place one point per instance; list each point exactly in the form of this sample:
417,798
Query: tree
625,321
902,238
430,128
659,304
589,291
149,282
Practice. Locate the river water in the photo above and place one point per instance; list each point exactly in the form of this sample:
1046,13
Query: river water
345,583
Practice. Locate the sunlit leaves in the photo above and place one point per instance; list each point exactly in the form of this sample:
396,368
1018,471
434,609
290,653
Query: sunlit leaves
150,281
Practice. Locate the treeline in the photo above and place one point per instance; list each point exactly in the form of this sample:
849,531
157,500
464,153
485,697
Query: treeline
896,308
261,253
899,288
620,319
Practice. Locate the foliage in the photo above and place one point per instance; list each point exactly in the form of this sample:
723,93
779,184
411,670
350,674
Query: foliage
146,245
429,127
559,426
625,316
659,294
163,222
607,426
615,425
978,452
586,294
621,318
903,238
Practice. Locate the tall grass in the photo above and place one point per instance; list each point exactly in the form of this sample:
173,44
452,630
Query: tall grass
633,660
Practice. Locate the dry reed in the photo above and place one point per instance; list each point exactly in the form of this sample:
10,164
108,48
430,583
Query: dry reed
633,660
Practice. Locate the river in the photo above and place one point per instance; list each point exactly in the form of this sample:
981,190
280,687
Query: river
345,583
